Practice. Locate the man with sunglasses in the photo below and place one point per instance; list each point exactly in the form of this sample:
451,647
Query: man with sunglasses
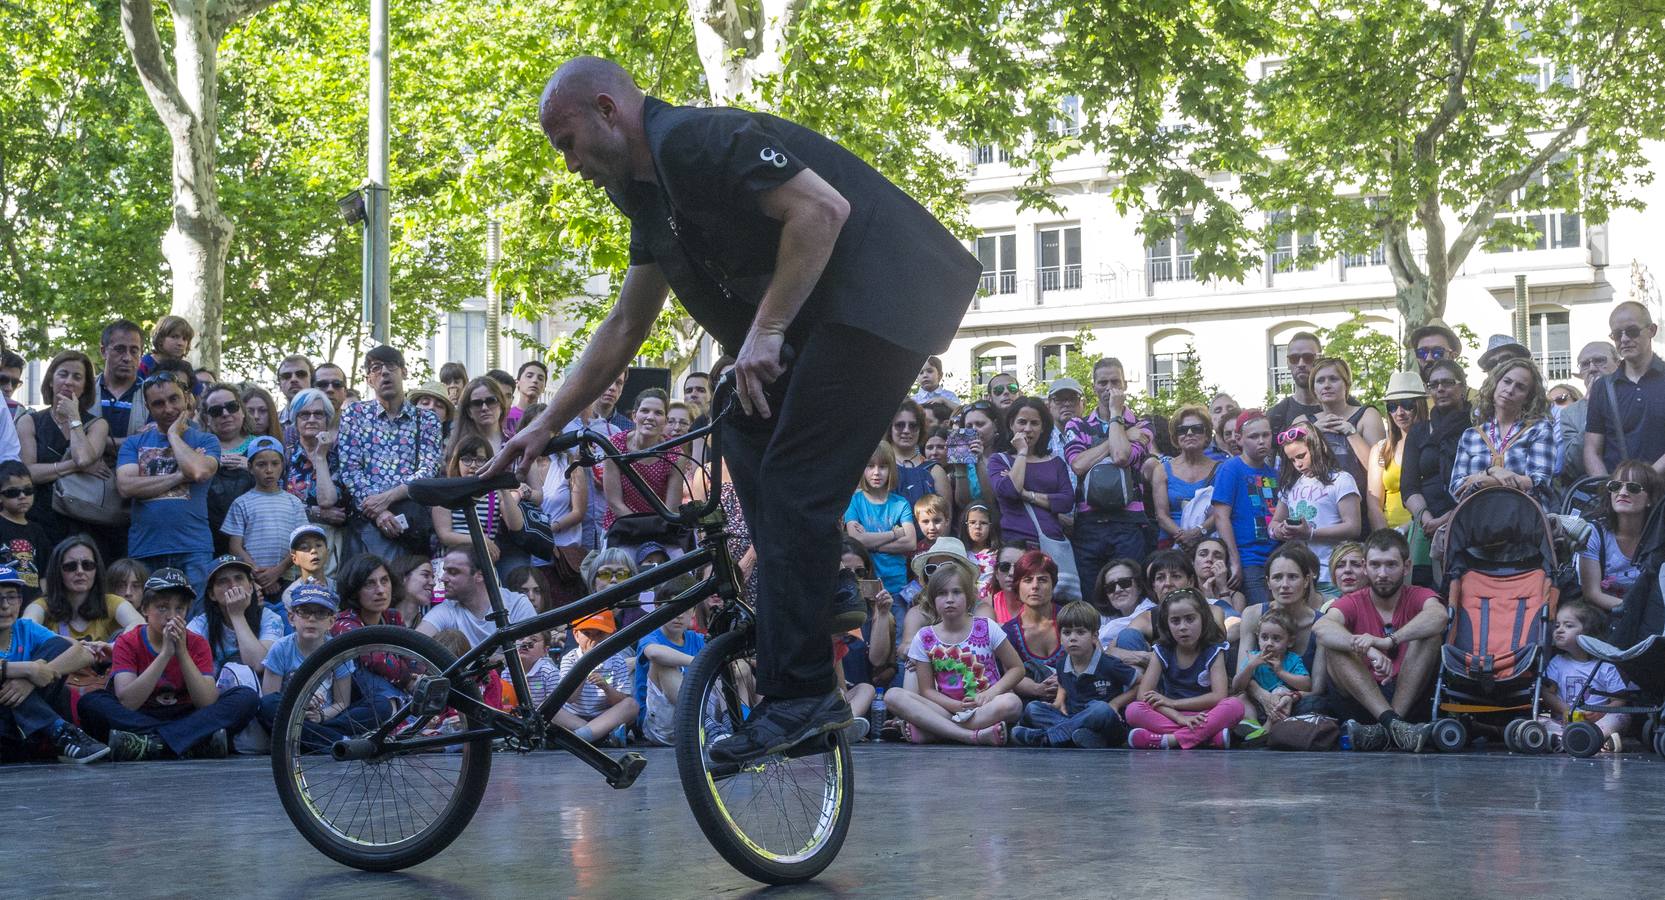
1432,343
332,380
1300,354
1626,417
1003,391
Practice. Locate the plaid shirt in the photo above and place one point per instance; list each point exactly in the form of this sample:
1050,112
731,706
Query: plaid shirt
1531,452
379,452
1082,434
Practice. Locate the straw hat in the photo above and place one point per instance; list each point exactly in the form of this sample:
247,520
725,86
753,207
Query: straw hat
437,391
947,550
1405,386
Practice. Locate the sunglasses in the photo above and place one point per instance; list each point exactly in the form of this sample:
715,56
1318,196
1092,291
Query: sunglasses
526,645
1184,430
1441,384
1307,358
224,409
1005,567
905,426
483,403
611,574
291,375
1561,399
8,382
1012,389
1293,434
1119,584
859,571
159,378
16,492
1629,331
1628,487
79,565
1431,353
329,384
1394,406
1593,362
311,414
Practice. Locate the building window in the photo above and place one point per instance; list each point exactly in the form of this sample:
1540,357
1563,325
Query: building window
1059,252
1291,250
1054,357
1277,369
1165,369
1551,345
1550,229
1170,259
994,361
984,154
998,254
1375,256
1068,120
466,339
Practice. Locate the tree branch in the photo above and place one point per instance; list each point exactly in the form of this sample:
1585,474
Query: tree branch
1486,210
225,14
138,28
1463,47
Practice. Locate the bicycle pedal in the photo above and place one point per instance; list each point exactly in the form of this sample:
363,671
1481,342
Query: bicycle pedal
429,695
630,768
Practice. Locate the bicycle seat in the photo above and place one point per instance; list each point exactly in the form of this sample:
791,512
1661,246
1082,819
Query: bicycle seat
452,493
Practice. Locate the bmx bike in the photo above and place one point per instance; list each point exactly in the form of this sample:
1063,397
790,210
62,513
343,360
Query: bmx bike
397,779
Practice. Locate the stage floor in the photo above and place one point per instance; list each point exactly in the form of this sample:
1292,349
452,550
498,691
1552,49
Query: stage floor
930,822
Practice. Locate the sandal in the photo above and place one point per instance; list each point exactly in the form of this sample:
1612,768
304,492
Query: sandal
999,735
914,735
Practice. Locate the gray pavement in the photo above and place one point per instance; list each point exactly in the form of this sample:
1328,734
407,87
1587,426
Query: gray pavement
930,822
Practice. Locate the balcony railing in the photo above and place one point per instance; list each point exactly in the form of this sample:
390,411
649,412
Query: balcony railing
1282,381
1555,366
1169,268
1376,257
1059,278
999,282
1162,384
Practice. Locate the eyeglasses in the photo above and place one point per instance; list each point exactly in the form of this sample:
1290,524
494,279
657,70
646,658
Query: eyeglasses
224,409
905,426
1394,406
16,492
1293,434
292,376
160,378
378,367
1193,428
1592,362
1562,399
311,414
8,382
1627,487
1012,389
1308,358
1442,384
1629,331
122,350
483,403
473,460
7,598
1119,584
611,574
78,565
1431,353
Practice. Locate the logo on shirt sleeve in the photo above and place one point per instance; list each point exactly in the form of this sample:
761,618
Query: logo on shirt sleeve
772,156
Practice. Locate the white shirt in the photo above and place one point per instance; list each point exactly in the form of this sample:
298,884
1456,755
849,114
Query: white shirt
452,614
9,447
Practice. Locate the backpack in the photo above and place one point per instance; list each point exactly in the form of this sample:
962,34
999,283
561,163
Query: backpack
1107,487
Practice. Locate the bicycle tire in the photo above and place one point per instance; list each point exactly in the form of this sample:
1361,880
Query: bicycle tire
710,672
289,769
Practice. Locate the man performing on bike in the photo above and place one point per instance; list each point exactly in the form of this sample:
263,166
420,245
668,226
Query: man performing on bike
773,237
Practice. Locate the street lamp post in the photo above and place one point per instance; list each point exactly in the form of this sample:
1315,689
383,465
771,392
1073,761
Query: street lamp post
377,225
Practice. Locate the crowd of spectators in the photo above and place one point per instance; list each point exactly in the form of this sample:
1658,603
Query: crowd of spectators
1057,570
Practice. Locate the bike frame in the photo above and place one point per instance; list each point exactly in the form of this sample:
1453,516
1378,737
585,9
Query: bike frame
537,726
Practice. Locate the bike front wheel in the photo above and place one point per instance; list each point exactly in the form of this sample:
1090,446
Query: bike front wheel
781,819
391,810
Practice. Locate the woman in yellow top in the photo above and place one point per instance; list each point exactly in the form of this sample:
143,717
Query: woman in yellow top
74,602
1407,404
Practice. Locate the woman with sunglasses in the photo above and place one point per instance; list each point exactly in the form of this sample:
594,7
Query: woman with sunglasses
1350,431
916,475
1607,567
1430,447
481,413
1514,443
1178,478
1121,597
223,416
971,480
74,602
1407,404
63,439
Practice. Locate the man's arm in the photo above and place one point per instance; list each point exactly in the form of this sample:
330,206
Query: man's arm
610,349
132,485
1332,634
812,213
195,465
1430,622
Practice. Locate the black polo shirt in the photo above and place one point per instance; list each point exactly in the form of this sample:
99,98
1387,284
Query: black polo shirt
1641,408
117,411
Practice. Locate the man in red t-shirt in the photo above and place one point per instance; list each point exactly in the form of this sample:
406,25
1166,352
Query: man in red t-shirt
1382,643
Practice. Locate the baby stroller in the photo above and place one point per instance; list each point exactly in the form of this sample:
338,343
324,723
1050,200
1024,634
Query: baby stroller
1500,559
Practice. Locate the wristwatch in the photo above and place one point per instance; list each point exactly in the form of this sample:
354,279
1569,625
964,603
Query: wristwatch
75,424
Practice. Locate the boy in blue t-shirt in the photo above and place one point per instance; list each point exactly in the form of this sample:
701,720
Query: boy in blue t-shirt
312,609
664,656
1247,486
1093,688
37,660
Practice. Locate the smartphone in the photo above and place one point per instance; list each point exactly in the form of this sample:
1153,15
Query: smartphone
1294,520
870,588
959,446
403,522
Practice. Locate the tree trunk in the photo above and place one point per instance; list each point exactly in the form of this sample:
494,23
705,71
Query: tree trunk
742,42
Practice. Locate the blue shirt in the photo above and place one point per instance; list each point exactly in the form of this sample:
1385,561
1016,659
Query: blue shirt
177,521
285,658
1105,678
28,636
1292,663
892,568
692,644
1252,495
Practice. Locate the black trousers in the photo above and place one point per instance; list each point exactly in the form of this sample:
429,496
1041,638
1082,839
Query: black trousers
794,473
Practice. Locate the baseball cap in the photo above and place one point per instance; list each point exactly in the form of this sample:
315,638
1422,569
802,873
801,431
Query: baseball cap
312,595
226,560
1064,383
169,579
262,444
309,528
601,621
9,575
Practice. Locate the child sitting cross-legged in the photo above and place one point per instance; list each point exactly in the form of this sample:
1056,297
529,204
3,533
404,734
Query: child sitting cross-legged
662,658
958,695
330,712
1575,677
599,707
1277,675
1183,698
1092,689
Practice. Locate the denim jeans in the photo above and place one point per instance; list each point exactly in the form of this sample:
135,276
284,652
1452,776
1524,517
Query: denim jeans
1098,716
1254,586
1097,541
45,707
181,726
194,564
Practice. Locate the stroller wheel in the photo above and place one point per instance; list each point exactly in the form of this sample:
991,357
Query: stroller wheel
1659,741
1533,737
1511,732
1582,739
1450,735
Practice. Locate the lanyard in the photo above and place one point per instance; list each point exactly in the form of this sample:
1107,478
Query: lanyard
1500,445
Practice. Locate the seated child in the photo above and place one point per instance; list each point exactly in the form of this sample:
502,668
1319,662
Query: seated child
1183,699
598,707
330,713
262,521
1574,676
1272,678
663,657
1092,688
162,698
957,695
542,673
29,652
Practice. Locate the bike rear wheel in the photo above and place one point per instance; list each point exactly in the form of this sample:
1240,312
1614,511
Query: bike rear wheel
781,819
387,812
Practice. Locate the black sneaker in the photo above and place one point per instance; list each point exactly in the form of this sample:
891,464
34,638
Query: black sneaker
214,746
129,747
1366,737
849,611
777,725
1409,738
1088,739
76,746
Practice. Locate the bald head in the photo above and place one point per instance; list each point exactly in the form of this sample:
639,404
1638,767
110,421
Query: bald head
580,81
591,112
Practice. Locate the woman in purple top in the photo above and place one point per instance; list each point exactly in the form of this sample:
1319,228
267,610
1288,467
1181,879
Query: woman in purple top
1031,485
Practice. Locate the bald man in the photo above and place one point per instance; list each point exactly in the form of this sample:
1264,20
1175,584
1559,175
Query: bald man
798,258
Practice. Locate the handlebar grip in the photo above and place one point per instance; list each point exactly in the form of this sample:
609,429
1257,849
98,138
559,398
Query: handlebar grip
563,442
